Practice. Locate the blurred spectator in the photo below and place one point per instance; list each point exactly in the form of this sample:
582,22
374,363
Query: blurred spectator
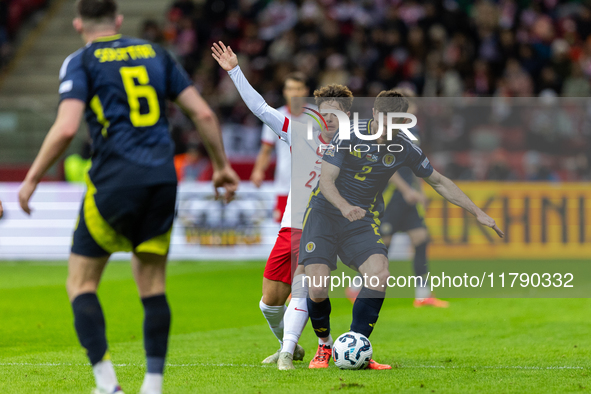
501,48
192,164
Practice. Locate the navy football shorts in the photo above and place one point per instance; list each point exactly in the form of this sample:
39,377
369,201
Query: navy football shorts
326,235
401,217
135,219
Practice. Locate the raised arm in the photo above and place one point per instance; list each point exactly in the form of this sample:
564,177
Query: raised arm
452,193
330,173
228,60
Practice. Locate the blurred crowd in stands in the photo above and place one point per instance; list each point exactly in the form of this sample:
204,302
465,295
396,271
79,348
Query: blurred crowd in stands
13,13
503,48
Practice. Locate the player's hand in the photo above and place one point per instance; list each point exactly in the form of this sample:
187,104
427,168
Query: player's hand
24,195
1,210
257,178
228,179
487,221
226,58
413,197
353,213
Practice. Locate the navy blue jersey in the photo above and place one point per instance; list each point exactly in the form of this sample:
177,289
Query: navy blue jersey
125,83
365,171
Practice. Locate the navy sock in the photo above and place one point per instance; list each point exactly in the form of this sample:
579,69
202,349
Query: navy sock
366,311
319,313
89,322
420,259
156,329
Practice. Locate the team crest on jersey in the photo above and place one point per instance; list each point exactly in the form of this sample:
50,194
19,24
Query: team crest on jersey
330,151
389,160
372,158
310,247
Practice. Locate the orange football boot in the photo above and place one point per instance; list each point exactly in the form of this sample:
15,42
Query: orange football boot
322,357
378,367
431,301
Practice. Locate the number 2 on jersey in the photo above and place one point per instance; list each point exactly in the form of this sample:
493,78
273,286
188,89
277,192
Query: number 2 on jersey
142,90
312,178
364,171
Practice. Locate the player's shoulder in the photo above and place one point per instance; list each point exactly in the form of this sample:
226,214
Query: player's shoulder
73,60
409,145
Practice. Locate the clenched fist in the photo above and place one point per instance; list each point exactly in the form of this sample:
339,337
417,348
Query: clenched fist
353,213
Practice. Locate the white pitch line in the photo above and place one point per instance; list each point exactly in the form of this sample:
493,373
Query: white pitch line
266,366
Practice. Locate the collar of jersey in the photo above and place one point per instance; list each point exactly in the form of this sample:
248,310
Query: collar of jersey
108,38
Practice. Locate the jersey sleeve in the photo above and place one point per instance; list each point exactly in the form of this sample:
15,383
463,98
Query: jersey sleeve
268,136
73,78
259,107
336,151
177,78
418,161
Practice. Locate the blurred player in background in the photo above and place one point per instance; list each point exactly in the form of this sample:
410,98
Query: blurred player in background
280,266
121,86
295,85
405,203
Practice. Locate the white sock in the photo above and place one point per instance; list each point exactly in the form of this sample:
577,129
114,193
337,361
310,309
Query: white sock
328,341
152,384
105,377
422,292
296,315
274,316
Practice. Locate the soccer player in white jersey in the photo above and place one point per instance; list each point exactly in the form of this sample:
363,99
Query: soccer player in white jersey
285,252
294,86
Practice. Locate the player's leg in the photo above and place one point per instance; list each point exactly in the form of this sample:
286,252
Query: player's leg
363,249
272,305
276,288
419,238
84,274
150,234
368,304
149,271
295,319
318,254
317,272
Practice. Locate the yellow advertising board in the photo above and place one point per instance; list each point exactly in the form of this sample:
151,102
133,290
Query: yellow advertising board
540,220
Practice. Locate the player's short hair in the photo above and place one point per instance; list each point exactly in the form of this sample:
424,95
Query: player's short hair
335,92
97,11
298,77
390,101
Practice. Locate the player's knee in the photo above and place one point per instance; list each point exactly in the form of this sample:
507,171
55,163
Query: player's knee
75,287
318,294
419,236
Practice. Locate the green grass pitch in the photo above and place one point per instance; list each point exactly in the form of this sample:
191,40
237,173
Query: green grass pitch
219,338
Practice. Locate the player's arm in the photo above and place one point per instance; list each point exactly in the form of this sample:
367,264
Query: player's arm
228,60
261,164
209,129
330,173
452,193
410,195
1,210
61,134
